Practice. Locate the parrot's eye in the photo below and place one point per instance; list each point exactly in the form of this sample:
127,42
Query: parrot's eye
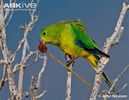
44,33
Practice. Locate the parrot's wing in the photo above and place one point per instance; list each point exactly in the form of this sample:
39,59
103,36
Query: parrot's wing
84,41
89,46
80,26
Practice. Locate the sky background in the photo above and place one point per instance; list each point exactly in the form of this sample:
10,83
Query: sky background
100,17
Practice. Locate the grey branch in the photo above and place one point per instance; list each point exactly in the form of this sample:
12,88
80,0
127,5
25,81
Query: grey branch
6,55
42,71
9,13
69,79
2,62
9,58
41,95
24,63
124,86
103,61
28,28
35,87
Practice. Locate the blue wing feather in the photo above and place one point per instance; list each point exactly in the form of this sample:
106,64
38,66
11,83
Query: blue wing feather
94,50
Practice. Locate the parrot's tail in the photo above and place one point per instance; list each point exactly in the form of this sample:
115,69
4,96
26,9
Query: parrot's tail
106,79
94,62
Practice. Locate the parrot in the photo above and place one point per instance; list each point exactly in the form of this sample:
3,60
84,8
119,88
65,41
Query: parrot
72,38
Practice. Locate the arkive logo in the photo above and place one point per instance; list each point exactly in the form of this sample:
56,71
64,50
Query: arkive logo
20,6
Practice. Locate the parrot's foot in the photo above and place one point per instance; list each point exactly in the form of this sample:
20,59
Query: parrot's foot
69,62
70,59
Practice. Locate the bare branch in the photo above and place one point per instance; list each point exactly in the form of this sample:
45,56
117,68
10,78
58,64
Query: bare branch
118,78
6,55
42,71
28,28
4,77
8,58
18,48
31,87
28,56
2,62
41,95
128,7
122,88
69,79
35,87
33,12
10,15
107,45
21,73
119,36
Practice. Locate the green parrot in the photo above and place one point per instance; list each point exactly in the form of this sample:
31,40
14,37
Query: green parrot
72,38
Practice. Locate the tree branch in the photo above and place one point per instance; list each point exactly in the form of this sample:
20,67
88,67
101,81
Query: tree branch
21,73
34,87
6,55
69,79
118,78
103,61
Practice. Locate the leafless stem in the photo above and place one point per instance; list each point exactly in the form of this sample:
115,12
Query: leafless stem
6,55
107,45
21,73
69,79
9,58
32,87
18,48
42,71
10,15
36,86
28,28
28,56
41,95
118,78
124,86
2,62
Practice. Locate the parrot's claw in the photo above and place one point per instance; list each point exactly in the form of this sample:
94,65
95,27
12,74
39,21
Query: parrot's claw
69,62
70,59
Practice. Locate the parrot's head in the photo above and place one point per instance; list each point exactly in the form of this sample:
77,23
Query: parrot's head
50,34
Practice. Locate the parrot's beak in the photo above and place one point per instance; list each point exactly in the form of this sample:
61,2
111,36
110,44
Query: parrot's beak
41,41
42,47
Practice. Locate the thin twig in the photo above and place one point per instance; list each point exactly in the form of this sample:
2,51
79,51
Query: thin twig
35,87
124,86
42,71
18,48
10,15
31,87
41,95
118,78
28,56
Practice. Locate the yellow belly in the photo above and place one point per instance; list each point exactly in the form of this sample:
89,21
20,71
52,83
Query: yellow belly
71,50
74,51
